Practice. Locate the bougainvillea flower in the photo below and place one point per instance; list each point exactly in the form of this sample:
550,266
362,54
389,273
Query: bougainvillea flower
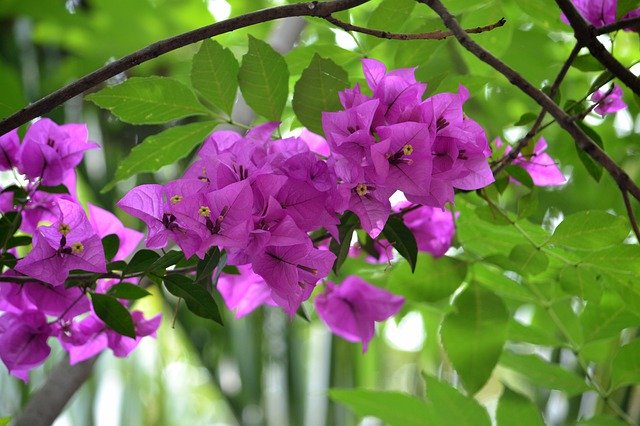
154,205
69,243
292,271
56,300
48,150
542,168
306,205
608,103
88,337
596,12
315,142
23,341
632,14
348,132
351,309
432,227
9,150
244,292
105,223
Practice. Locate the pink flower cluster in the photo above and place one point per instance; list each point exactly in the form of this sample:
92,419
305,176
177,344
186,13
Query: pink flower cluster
259,198
601,12
45,307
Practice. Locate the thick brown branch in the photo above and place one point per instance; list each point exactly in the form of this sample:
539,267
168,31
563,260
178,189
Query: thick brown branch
564,120
46,104
624,23
586,35
434,35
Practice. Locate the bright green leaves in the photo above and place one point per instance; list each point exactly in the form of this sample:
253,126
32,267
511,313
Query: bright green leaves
264,79
149,100
116,316
433,280
528,260
159,150
590,230
317,91
473,335
451,407
517,410
214,75
625,368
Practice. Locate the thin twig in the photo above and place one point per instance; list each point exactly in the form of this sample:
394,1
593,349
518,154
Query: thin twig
433,35
564,120
632,216
46,104
586,35
522,143
622,24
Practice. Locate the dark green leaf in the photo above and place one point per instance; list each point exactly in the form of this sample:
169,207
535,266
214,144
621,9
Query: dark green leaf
170,258
149,100
520,174
114,315
593,168
590,230
18,241
264,79
626,6
517,410
118,265
110,244
601,79
473,335
60,189
587,63
141,261
205,267
544,374
214,74
348,224
198,300
526,118
127,291
317,91
159,150
402,239
8,260
9,224
433,280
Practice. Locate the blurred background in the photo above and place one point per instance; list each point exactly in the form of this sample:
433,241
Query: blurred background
264,368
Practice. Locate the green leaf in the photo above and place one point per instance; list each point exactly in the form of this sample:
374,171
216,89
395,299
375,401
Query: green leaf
161,149
110,244
348,224
593,168
582,281
587,63
544,374
198,300
520,174
526,118
494,279
528,204
317,91
602,420
214,74
433,280
141,261
114,315
205,267
394,408
517,410
170,258
532,334
625,368
620,259
149,100
589,230
390,15
9,224
528,260
453,408
59,189
264,79
402,239
601,79
8,260
473,335
18,241
128,291
607,318
626,6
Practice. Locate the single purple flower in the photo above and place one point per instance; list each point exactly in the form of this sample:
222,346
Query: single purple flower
105,223
543,169
608,103
597,12
432,227
49,151
348,132
9,150
23,341
351,309
57,300
69,243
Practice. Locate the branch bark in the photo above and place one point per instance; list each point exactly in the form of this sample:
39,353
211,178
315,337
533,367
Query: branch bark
46,104
586,36
564,120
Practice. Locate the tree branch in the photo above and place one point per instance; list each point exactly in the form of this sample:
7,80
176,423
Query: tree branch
46,104
586,35
632,216
434,35
622,24
564,120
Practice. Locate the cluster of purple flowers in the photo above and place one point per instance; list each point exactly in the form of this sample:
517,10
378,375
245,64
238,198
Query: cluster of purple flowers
36,310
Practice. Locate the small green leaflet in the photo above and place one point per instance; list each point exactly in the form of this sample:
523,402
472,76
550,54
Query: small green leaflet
159,150
110,244
214,74
626,365
127,291
402,239
116,316
149,100
348,224
317,91
264,79
198,300
517,410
